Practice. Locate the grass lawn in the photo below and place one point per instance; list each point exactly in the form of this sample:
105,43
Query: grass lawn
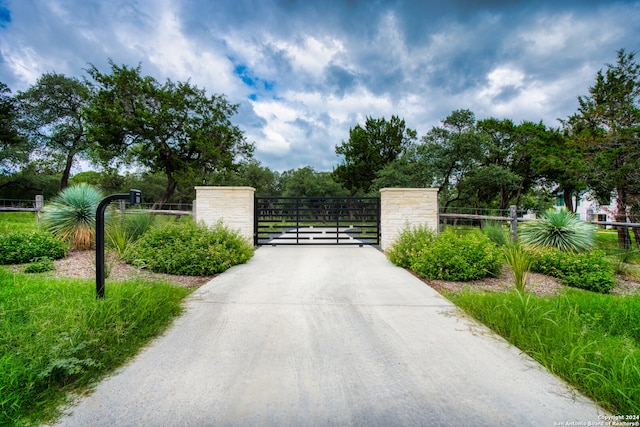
590,340
56,337
18,221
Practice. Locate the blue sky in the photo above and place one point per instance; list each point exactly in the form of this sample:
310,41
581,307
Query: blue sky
304,72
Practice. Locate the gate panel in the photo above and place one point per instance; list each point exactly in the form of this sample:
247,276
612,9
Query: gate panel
317,220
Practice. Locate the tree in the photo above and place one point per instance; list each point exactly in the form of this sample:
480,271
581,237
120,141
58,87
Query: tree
52,118
369,149
452,151
174,127
608,126
13,148
307,182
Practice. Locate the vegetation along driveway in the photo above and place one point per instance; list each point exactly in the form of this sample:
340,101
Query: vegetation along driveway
328,336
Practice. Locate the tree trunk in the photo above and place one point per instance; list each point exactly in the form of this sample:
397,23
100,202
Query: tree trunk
568,201
624,239
168,192
64,182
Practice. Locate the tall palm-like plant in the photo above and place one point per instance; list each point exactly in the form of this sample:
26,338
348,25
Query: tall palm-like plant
72,215
558,229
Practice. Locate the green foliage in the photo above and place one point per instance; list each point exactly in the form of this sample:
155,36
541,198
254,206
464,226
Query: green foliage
189,249
411,242
52,115
174,128
459,258
519,261
589,270
369,149
497,233
307,182
447,257
40,265
56,337
558,229
590,340
20,247
121,232
72,215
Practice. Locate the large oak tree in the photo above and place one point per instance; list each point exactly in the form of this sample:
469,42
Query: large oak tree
171,127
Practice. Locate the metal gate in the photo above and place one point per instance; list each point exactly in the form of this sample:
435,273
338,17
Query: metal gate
317,221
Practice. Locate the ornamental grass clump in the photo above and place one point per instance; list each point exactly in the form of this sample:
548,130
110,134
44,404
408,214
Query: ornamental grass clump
71,216
519,262
558,229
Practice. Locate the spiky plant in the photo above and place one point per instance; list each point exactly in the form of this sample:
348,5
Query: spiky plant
558,229
519,262
72,215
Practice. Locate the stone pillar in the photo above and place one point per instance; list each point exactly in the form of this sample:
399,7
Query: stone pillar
402,207
232,205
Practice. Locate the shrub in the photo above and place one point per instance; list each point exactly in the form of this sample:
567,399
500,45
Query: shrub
458,258
560,230
590,271
412,240
72,215
189,249
20,248
40,265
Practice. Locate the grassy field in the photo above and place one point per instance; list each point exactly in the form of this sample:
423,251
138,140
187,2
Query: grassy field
18,221
56,337
590,340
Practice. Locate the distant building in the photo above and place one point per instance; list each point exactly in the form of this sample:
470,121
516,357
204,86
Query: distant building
588,208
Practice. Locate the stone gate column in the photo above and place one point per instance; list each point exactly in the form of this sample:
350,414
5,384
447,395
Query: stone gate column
400,207
232,205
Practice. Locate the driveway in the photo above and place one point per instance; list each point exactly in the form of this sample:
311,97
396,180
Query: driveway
308,336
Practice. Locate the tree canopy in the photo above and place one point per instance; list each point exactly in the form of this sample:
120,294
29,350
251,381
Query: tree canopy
369,149
607,126
52,119
172,127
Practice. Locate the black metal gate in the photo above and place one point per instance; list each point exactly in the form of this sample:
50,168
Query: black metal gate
317,221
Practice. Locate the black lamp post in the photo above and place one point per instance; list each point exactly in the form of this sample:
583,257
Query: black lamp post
135,198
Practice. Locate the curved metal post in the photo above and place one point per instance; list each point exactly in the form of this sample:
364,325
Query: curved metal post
134,197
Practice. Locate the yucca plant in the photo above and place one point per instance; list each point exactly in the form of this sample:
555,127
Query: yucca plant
558,229
72,215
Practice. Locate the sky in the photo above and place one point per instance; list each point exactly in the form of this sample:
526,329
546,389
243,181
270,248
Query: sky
305,72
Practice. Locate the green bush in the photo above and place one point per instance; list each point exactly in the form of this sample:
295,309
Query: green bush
20,248
189,249
411,242
590,271
40,265
457,257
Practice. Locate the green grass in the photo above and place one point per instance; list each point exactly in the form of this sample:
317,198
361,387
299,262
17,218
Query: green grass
590,340
56,337
18,221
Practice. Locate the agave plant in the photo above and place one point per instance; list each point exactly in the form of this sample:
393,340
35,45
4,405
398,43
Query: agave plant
72,215
558,229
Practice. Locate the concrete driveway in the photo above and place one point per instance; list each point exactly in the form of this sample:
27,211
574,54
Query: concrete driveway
315,336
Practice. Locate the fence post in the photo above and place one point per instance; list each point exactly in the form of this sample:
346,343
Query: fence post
513,214
193,211
39,205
